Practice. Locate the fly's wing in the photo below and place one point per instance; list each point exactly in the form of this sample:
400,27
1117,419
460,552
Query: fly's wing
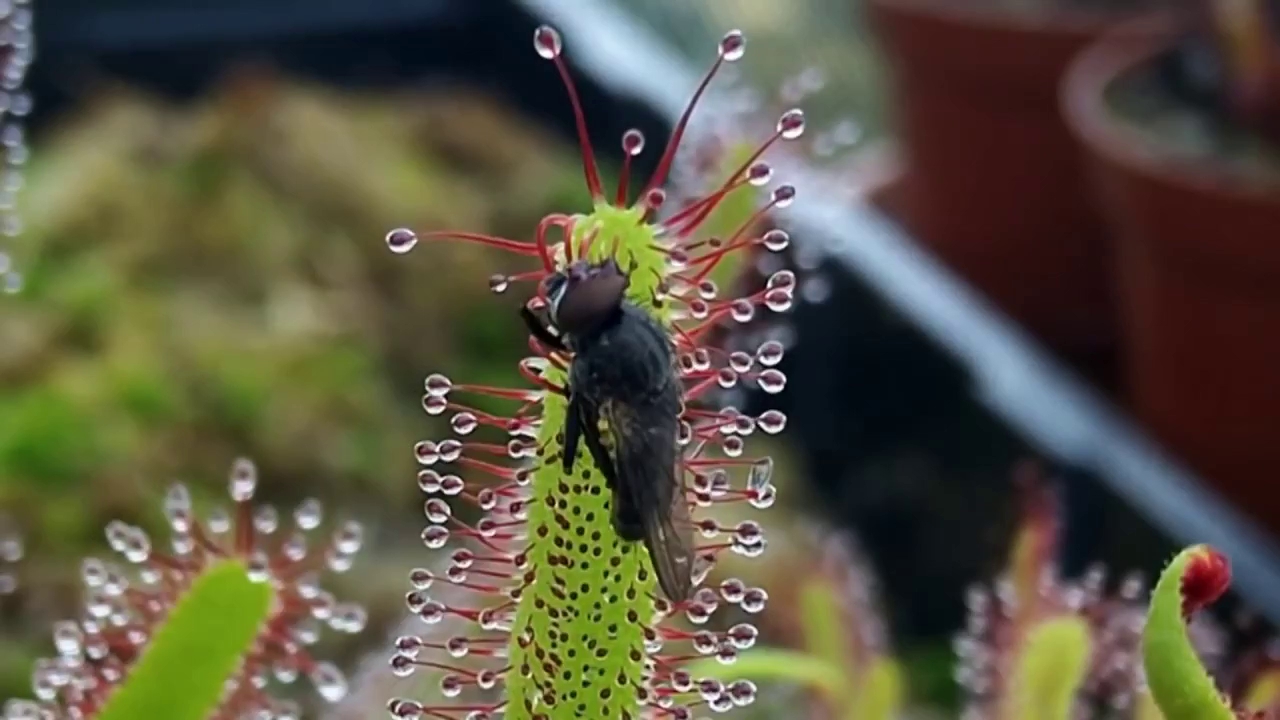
649,492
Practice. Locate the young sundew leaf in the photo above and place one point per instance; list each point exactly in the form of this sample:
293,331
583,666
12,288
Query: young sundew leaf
566,617
769,664
881,694
1145,708
1051,667
183,670
824,632
1263,692
1181,687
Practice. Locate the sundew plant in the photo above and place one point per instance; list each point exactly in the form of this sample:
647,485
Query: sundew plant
201,630
563,618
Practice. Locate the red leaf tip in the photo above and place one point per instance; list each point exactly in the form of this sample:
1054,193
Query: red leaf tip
1207,577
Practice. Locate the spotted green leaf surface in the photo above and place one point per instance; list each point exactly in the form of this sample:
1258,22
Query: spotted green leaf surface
578,645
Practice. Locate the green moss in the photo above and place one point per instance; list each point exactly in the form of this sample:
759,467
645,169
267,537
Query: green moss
47,438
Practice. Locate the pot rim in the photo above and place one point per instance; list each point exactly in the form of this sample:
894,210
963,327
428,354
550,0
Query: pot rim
1082,100
1055,21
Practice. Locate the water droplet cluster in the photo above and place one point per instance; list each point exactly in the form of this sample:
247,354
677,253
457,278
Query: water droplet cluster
10,554
127,602
549,614
17,50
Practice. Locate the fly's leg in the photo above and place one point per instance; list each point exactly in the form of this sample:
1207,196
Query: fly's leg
590,420
540,331
572,431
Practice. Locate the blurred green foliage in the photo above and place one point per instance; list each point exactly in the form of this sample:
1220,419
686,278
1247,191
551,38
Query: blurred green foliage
211,280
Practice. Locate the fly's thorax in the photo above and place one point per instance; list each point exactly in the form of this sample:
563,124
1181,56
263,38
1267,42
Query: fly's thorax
630,360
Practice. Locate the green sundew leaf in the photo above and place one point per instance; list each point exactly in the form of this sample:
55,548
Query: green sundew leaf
825,632
1050,668
601,646
1263,693
591,596
1146,708
240,388
778,665
183,671
881,693
873,687
636,251
1180,685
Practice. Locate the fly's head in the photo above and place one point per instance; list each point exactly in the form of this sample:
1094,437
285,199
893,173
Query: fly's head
584,295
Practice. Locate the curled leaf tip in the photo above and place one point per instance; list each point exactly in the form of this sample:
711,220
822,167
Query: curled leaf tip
1178,681
1206,578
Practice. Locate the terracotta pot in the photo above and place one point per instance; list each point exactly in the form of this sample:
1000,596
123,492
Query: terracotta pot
995,186
1199,274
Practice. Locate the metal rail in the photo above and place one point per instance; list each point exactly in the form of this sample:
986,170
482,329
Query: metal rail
167,25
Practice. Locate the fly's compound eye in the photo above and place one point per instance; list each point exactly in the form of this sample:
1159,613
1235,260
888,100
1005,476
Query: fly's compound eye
555,288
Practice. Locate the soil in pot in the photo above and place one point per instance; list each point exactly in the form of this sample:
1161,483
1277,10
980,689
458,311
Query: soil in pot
1196,205
1192,134
994,181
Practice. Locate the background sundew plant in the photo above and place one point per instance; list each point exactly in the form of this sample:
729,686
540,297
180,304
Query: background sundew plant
198,632
1035,645
565,617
